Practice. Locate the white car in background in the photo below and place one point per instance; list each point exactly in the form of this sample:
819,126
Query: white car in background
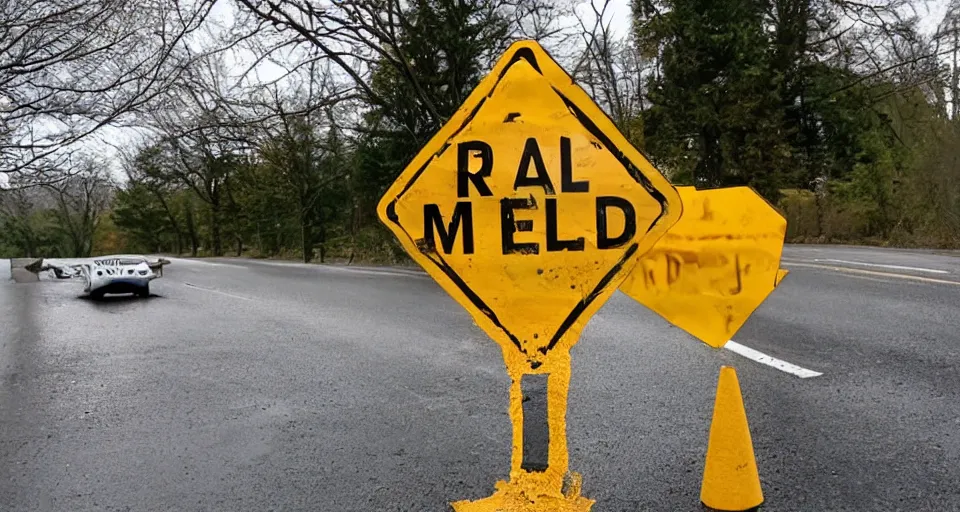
113,274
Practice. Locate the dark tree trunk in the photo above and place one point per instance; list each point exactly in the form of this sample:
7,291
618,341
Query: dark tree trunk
173,220
323,244
306,242
192,230
215,228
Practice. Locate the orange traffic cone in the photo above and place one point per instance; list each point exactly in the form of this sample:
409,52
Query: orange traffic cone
731,481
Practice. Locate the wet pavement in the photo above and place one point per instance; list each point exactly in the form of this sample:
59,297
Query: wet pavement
253,386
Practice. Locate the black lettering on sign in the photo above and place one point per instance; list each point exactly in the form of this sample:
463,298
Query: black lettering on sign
604,241
531,152
432,219
509,226
554,244
673,268
464,176
566,170
739,287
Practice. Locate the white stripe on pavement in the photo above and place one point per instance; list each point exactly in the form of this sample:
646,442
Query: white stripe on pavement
211,290
879,265
384,271
391,271
198,261
848,270
762,358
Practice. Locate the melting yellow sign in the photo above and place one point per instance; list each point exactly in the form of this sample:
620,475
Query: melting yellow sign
529,208
715,266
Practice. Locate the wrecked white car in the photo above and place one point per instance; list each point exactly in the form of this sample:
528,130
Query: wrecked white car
114,274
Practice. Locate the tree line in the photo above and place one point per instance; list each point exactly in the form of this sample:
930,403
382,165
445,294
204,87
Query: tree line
271,129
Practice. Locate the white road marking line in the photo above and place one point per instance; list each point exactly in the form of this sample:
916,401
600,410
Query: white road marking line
762,358
400,273
873,273
854,275
343,268
198,261
211,290
313,266
879,265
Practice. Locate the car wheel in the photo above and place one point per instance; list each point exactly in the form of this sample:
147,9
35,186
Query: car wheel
144,292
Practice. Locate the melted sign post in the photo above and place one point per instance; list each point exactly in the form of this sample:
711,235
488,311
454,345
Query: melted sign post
529,208
715,266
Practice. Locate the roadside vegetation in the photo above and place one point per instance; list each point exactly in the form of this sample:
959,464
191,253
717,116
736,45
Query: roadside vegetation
271,129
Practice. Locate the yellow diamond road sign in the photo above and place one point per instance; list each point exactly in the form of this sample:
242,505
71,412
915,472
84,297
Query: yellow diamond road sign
715,266
528,206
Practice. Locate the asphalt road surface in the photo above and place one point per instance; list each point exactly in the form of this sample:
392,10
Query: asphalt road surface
257,386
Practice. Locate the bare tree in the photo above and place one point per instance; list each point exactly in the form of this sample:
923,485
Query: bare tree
70,67
17,207
612,70
358,35
80,202
141,167
879,42
947,41
204,162
304,153
202,136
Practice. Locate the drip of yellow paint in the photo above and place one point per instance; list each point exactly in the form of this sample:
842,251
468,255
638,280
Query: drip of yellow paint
524,495
532,491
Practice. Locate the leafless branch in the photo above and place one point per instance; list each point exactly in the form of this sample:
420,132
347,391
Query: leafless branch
70,67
